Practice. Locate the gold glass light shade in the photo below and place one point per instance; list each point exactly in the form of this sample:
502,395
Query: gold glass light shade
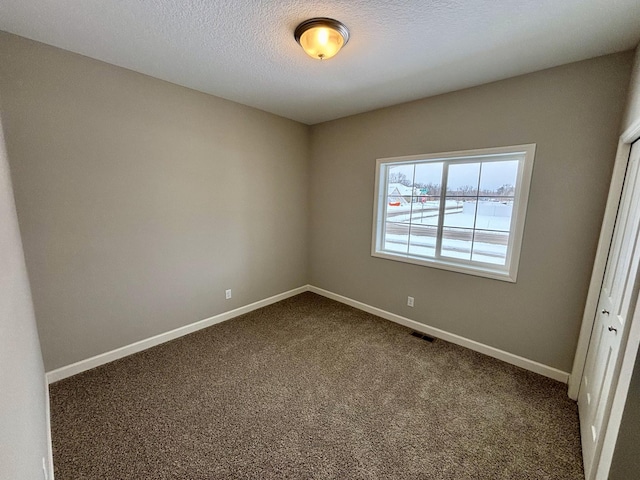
321,42
321,38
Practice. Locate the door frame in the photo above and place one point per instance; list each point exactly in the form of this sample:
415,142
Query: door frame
630,343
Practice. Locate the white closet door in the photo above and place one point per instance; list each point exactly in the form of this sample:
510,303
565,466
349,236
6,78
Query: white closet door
617,297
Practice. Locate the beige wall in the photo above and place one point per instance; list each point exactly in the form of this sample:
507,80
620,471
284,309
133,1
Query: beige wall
23,420
632,114
626,460
572,113
140,201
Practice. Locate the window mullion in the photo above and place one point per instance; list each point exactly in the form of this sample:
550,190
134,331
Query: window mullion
475,217
413,182
443,200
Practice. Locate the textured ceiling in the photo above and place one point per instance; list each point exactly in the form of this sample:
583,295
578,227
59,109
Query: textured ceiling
399,50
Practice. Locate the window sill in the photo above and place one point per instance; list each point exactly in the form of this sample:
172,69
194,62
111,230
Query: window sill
478,271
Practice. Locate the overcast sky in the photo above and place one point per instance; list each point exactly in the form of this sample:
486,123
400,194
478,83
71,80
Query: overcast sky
494,174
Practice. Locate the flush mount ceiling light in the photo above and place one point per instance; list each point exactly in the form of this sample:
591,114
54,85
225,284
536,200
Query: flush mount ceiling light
321,38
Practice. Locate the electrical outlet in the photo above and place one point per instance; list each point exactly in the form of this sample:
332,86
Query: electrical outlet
410,301
227,294
45,472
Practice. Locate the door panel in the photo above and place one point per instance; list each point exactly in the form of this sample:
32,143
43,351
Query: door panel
618,293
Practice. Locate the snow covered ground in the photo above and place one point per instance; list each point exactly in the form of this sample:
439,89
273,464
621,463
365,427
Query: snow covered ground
457,214
406,232
452,248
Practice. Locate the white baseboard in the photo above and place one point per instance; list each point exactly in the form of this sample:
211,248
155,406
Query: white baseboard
89,363
83,365
516,360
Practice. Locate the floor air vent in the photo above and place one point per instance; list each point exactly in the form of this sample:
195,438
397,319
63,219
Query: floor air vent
423,336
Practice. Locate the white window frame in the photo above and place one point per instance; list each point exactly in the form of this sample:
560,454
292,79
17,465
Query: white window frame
509,271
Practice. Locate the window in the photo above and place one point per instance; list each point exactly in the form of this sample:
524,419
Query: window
460,211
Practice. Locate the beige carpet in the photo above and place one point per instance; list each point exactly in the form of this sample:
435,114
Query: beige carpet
310,388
